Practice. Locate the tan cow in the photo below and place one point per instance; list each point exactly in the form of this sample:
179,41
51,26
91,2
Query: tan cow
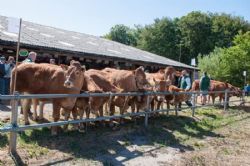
168,74
49,79
196,87
95,81
176,99
217,86
129,81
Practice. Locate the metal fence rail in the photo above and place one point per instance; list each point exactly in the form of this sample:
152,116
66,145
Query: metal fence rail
13,128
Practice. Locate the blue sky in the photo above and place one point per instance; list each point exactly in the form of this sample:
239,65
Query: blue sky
96,17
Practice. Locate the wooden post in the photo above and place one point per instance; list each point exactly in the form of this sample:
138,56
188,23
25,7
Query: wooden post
17,52
147,112
14,116
194,104
225,100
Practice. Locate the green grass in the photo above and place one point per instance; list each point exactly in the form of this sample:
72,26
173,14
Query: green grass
183,131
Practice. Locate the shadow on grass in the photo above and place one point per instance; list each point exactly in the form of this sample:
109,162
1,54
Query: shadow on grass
241,108
3,140
105,145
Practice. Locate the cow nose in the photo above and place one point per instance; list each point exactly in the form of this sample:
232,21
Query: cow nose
67,84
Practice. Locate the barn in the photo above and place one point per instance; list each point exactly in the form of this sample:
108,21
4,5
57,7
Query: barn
91,51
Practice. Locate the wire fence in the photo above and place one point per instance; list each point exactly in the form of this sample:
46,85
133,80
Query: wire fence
13,127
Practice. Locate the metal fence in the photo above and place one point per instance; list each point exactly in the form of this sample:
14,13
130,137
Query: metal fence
13,128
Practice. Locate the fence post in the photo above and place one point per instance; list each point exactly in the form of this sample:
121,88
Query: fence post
147,112
194,103
14,116
225,100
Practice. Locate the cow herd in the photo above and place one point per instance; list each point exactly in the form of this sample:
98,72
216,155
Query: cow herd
74,79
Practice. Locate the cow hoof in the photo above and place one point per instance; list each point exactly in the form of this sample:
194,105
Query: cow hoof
27,123
81,130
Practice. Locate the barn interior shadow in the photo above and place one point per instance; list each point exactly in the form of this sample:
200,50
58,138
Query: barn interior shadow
111,147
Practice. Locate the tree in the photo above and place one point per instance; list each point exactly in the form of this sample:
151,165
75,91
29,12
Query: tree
122,34
228,64
160,38
225,27
195,29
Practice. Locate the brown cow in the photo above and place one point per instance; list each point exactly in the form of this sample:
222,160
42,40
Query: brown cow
196,87
217,86
95,81
49,79
168,74
129,81
176,99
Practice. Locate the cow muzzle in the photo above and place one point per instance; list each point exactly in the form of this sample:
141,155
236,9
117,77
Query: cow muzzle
68,84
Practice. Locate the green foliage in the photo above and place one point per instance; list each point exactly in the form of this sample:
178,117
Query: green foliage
188,36
195,31
160,38
122,34
228,64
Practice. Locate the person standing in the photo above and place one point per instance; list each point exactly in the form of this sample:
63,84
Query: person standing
185,84
204,87
31,57
9,65
2,73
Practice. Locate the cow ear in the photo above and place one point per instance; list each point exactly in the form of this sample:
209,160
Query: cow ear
83,68
64,67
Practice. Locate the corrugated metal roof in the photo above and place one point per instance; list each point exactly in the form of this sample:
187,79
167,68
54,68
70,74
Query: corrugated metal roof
46,36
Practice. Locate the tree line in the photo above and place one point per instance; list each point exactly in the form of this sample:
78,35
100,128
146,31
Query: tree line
193,34
219,41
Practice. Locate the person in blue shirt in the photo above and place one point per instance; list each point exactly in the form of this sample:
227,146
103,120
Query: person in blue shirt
185,84
247,89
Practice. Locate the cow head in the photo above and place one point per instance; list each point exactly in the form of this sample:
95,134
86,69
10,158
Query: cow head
74,75
161,86
140,78
235,91
169,74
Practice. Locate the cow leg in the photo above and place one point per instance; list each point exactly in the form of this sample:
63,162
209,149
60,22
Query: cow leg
66,118
111,113
101,115
41,106
56,117
152,105
213,99
168,106
26,103
176,109
34,105
159,103
74,115
134,107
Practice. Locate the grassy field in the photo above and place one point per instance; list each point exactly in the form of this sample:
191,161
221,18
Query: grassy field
212,137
